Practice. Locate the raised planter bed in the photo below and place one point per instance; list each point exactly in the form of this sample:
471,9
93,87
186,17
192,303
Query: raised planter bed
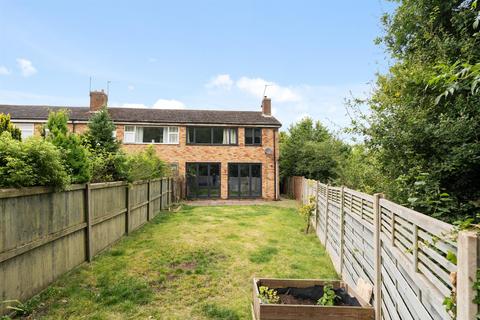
298,300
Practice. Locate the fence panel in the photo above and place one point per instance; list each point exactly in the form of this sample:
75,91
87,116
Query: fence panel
408,264
138,205
44,234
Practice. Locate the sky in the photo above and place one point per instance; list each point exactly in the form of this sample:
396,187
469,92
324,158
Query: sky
194,54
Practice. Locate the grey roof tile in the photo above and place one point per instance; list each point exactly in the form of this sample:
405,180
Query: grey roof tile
181,116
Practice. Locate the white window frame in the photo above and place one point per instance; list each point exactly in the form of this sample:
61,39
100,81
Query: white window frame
27,129
170,134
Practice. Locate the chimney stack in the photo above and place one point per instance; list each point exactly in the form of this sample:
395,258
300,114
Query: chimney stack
98,100
266,106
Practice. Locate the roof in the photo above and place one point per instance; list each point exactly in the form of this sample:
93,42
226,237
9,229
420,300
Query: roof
164,116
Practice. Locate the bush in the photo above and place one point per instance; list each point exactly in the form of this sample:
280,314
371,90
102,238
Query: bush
34,162
146,165
7,126
75,155
108,166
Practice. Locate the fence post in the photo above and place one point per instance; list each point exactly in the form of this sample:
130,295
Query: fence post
88,216
467,258
161,194
326,217
342,228
149,204
317,211
127,215
377,255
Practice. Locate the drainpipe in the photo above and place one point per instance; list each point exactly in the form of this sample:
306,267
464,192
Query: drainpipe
275,197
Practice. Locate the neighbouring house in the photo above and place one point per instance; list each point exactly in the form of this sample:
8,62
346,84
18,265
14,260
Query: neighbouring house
222,154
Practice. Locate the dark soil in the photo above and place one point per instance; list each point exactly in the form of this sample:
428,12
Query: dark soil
310,296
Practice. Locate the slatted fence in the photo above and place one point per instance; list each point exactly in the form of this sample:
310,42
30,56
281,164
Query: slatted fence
44,234
401,252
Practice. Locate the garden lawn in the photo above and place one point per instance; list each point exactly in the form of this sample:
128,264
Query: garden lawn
197,263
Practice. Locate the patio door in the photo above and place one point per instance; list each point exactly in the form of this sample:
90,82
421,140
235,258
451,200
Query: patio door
203,180
244,180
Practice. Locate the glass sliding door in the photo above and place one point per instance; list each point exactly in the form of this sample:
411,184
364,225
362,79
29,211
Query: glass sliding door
203,180
244,180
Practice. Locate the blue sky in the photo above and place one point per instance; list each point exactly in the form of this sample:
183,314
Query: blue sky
193,54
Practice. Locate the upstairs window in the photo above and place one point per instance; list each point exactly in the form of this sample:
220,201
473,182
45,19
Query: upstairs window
212,135
27,129
140,134
253,136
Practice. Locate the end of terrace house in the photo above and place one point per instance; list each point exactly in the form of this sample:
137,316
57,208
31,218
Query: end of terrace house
222,154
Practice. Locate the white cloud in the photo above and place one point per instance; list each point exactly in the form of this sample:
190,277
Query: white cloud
256,87
159,104
131,88
4,71
168,104
26,67
221,81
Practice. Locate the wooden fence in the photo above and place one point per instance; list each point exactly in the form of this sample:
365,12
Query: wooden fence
44,234
401,252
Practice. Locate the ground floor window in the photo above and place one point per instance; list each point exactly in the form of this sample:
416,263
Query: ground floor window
244,180
203,180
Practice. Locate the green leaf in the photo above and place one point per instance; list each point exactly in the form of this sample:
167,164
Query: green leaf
452,257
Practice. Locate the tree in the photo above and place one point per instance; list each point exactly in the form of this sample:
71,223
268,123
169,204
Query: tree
109,163
74,154
428,148
100,136
309,150
7,126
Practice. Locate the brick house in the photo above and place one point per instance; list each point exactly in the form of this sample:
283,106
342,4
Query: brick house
222,154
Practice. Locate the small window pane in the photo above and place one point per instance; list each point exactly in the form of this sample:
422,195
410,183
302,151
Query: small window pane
219,136
152,135
203,135
129,129
172,134
248,136
257,136
256,170
190,135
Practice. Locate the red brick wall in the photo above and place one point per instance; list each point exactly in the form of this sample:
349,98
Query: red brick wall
182,153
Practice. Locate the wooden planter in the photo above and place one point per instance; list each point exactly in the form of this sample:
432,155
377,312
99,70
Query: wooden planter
314,312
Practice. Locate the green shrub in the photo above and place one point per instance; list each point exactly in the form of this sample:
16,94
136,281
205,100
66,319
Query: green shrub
108,166
146,165
7,126
75,155
33,162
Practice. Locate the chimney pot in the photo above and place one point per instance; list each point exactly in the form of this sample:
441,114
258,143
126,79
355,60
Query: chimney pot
266,106
98,100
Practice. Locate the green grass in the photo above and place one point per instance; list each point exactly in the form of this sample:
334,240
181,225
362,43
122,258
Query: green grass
193,264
